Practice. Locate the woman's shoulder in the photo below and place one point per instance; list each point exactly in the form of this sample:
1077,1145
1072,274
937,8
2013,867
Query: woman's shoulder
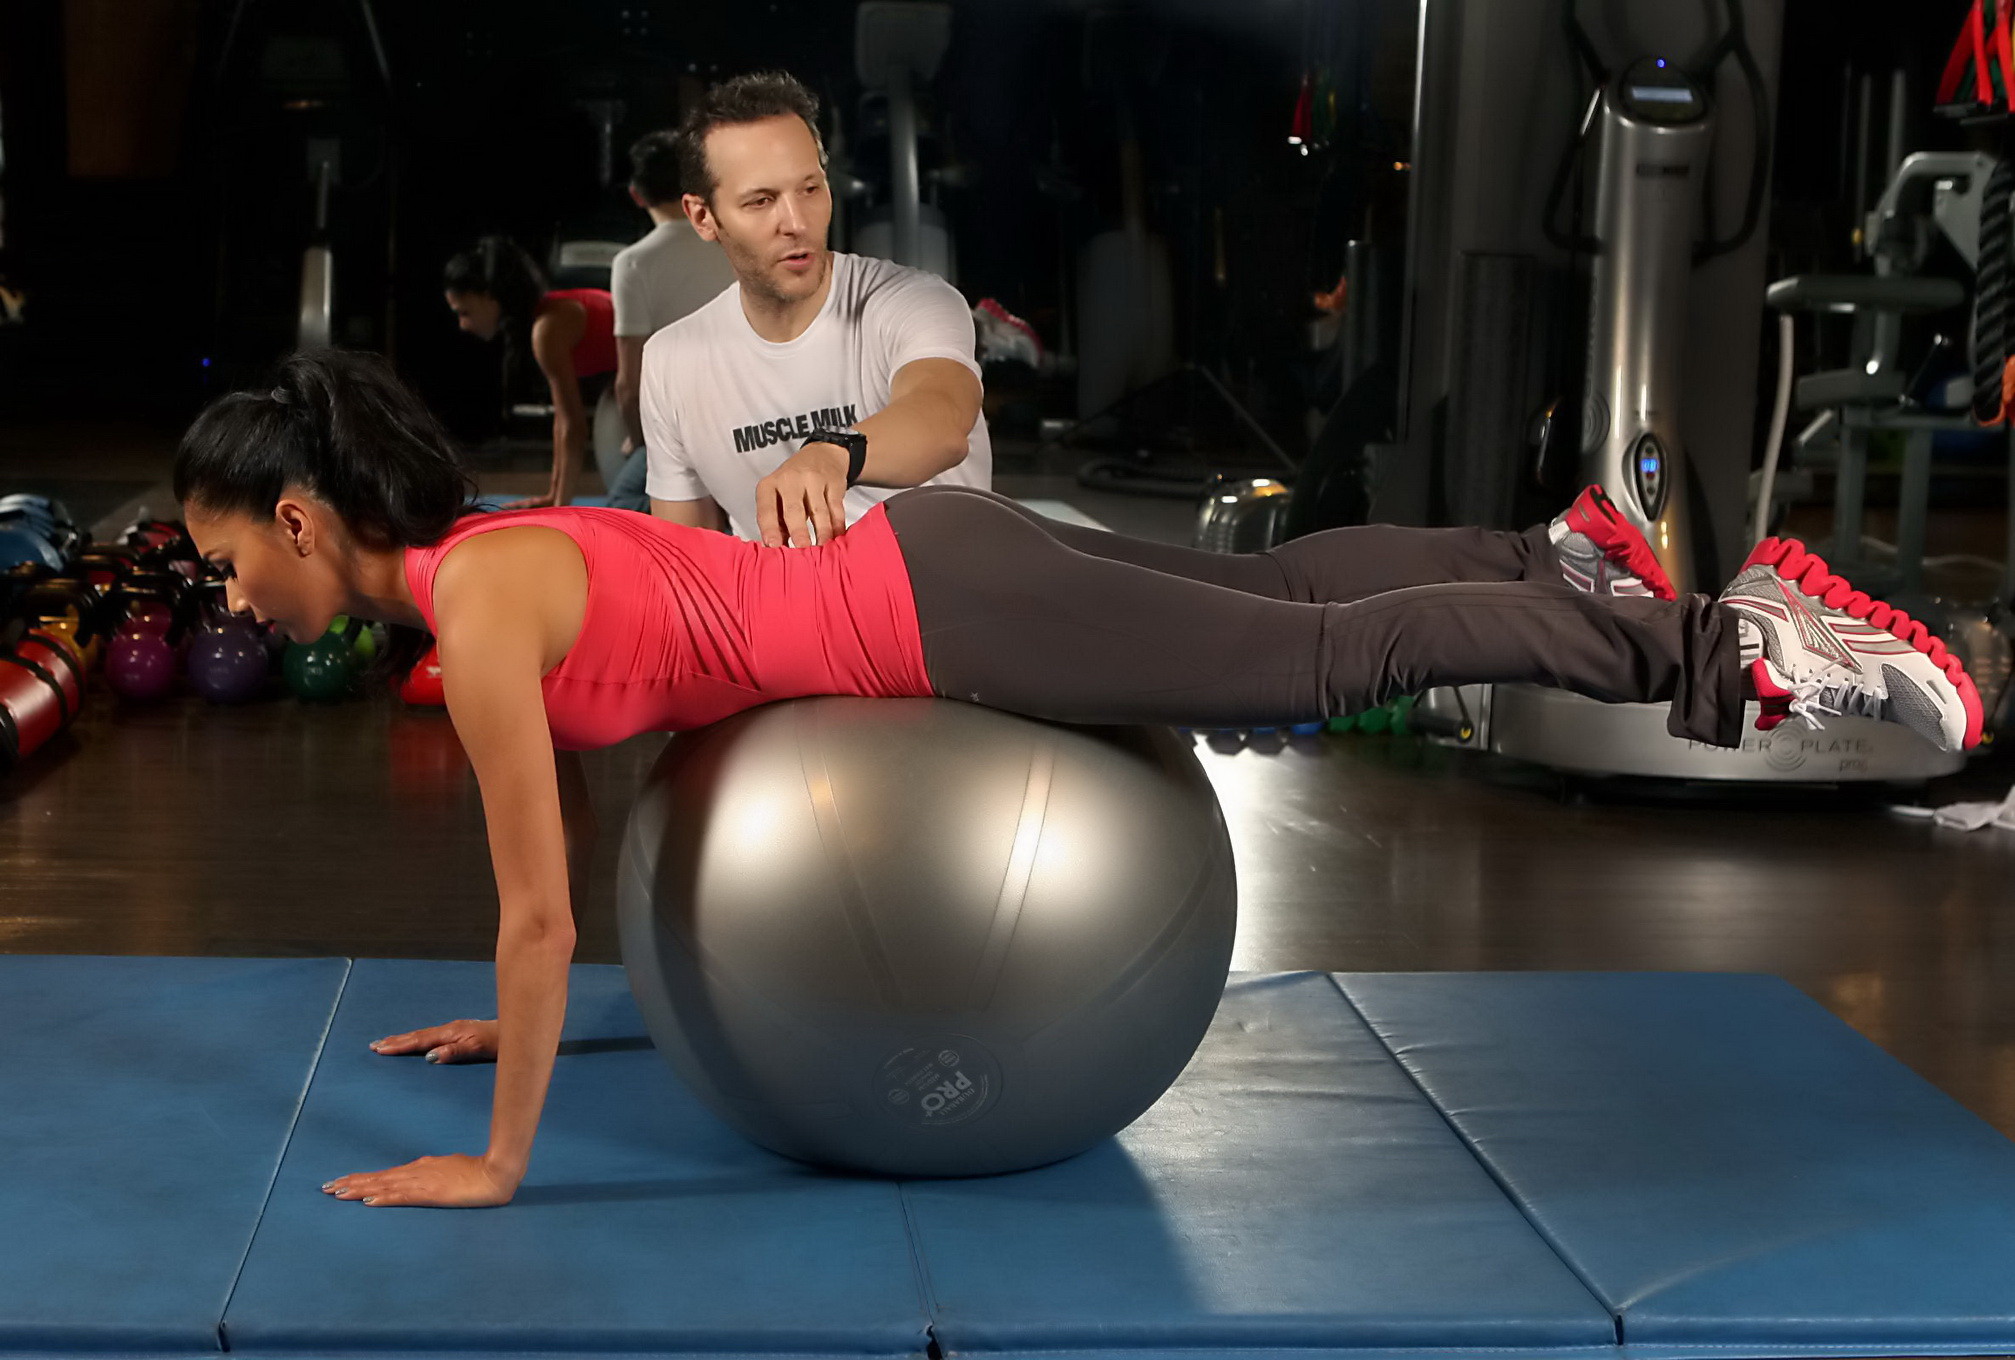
507,534
561,308
525,561
588,527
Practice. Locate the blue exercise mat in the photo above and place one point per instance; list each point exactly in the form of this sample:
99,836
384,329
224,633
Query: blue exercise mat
645,1225
1370,1166
1729,1166
144,1105
1293,1190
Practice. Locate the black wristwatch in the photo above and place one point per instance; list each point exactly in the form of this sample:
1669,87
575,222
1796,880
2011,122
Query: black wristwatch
854,442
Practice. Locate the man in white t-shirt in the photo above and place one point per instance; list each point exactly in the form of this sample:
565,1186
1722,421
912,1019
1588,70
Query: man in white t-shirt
822,383
667,275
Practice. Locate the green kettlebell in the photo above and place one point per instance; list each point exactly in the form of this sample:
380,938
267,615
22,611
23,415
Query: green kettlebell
324,671
365,638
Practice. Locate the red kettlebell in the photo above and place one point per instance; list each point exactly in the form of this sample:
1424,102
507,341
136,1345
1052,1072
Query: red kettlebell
422,685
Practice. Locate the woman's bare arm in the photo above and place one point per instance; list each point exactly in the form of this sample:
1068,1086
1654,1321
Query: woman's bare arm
577,811
509,605
554,336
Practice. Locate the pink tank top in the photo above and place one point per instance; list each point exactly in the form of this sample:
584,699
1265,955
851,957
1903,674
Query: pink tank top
685,626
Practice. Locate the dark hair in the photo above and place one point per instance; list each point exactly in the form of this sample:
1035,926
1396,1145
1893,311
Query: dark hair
343,426
654,167
745,99
499,267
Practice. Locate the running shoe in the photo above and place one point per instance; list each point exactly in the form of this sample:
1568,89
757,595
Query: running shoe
1603,553
1828,650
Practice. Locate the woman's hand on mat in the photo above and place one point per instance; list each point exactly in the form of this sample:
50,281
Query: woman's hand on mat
810,488
458,1041
453,1182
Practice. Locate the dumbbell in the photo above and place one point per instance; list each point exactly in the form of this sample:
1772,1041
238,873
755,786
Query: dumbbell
68,610
47,505
49,518
41,690
30,539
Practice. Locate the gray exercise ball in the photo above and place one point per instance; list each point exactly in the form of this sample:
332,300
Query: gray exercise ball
920,937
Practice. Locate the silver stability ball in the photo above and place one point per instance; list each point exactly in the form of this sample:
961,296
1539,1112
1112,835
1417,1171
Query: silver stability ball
925,938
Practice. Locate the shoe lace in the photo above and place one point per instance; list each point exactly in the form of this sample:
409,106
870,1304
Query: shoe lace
1831,693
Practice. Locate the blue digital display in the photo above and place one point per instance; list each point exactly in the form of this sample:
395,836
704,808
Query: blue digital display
1661,94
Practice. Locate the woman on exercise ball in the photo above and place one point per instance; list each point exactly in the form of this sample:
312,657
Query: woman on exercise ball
496,292
335,492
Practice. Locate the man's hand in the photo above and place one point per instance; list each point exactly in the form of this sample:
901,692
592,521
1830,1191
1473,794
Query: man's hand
810,488
530,502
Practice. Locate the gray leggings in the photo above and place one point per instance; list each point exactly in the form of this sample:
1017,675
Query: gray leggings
1057,621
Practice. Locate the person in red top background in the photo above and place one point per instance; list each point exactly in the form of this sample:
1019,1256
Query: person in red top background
498,293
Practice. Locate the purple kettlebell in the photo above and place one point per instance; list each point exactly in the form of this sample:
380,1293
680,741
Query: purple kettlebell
140,665
227,663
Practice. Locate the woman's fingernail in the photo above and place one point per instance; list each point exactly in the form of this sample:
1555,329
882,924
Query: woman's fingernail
435,1054
369,1200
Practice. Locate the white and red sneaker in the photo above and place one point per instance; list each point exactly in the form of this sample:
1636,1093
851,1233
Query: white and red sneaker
1603,553
1827,649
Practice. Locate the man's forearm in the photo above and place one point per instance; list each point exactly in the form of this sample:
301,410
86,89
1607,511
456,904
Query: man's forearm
913,439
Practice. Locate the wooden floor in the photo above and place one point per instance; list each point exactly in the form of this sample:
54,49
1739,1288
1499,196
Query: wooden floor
283,829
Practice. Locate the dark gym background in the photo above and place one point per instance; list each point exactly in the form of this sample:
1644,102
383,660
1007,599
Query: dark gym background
158,193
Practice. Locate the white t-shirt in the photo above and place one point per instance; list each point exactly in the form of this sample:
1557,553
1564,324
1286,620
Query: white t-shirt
670,273
723,407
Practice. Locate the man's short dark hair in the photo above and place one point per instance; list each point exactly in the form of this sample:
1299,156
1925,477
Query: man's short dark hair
745,99
654,167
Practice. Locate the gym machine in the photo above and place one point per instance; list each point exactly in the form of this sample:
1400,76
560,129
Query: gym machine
1652,126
